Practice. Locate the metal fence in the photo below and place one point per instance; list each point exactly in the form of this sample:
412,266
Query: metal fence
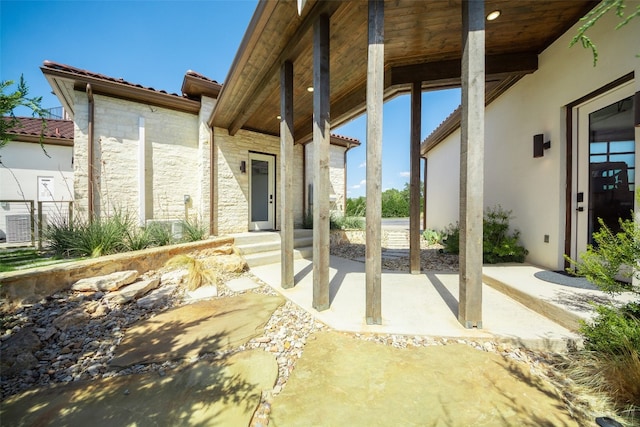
23,221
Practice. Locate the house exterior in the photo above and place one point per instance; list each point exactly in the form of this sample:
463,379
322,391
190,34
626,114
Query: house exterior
587,115
34,173
153,155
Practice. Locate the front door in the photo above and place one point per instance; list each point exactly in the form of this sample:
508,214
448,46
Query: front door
605,164
261,191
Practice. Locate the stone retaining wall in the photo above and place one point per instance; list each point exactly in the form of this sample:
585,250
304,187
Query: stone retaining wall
354,237
29,286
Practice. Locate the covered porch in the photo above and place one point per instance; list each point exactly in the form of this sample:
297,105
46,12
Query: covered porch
302,71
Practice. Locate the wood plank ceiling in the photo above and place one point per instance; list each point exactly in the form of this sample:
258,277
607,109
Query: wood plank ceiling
422,43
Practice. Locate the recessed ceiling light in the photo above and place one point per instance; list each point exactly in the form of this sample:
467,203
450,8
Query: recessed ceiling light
279,117
310,89
493,15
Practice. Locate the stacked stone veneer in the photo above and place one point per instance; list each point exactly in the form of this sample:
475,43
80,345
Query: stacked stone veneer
176,162
336,175
231,189
179,163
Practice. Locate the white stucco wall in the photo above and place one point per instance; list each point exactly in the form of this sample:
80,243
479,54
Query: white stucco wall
231,190
336,175
23,163
534,188
443,184
174,166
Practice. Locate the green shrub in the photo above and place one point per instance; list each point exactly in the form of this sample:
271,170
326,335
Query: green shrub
193,230
431,236
160,233
138,238
613,330
339,222
451,238
498,245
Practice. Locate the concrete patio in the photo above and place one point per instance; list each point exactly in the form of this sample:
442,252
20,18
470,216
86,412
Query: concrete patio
426,304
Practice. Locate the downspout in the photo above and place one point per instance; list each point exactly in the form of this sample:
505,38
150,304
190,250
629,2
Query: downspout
344,193
90,152
212,169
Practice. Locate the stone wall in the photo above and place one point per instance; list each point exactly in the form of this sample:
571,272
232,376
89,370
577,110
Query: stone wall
336,175
30,286
231,198
172,158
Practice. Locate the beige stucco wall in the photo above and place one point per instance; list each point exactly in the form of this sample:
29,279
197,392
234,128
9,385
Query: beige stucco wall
175,165
231,189
534,188
336,175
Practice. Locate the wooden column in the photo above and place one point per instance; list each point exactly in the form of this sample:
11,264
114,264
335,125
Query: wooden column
414,180
321,141
471,164
286,174
375,88
424,205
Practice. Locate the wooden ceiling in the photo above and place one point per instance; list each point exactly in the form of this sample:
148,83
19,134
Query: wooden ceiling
422,43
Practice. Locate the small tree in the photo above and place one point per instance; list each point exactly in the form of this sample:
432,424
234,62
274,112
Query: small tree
594,15
10,101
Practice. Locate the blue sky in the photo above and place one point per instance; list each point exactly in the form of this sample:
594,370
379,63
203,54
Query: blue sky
153,43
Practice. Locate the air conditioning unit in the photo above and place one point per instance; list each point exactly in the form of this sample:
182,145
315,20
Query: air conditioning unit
174,225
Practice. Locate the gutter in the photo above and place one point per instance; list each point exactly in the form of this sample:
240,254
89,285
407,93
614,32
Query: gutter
89,91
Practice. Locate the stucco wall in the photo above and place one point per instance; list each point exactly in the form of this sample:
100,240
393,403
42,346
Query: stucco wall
534,188
23,163
231,190
174,166
336,175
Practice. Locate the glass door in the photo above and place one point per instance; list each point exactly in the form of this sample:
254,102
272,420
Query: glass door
261,192
606,164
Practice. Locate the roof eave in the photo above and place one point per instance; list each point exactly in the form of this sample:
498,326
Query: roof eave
118,90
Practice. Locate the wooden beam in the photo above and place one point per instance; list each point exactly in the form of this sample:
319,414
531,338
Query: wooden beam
447,72
286,174
414,180
471,164
353,104
375,99
289,52
321,146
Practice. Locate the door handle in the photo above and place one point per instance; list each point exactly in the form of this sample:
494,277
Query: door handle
270,198
580,209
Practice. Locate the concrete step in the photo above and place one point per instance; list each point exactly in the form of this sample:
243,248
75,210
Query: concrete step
260,248
272,257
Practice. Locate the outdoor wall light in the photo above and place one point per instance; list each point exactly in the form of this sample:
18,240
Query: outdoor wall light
539,145
243,166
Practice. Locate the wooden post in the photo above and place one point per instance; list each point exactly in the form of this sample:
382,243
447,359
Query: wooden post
321,141
414,180
286,175
471,164
375,88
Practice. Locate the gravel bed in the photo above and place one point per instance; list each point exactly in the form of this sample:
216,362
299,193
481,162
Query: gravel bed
81,347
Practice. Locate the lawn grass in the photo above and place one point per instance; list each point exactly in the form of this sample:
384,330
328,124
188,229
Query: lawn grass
25,258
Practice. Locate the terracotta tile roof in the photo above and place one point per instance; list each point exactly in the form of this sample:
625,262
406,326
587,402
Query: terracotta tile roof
31,126
85,73
346,138
200,76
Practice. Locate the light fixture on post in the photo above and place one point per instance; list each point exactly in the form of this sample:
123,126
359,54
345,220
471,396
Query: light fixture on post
539,145
243,166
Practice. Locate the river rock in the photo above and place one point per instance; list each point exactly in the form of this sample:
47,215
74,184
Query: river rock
17,352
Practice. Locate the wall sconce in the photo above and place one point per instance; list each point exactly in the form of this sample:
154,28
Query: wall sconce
539,145
243,166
